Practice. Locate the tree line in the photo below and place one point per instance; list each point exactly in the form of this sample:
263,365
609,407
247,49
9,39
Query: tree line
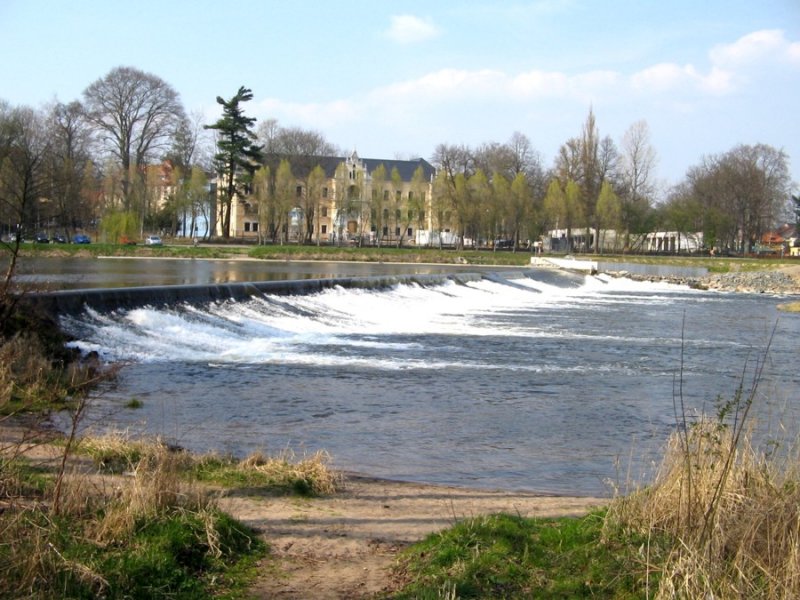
100,162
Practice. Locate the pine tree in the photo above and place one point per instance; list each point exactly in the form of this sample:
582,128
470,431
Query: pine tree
237,154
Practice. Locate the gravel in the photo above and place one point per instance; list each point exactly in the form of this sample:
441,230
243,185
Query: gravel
751,282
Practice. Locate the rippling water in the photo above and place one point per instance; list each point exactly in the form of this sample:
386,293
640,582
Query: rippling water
550,382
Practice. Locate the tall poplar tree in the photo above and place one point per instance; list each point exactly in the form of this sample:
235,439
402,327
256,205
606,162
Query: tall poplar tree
237,154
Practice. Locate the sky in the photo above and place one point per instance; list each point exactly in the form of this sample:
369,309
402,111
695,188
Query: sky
396,79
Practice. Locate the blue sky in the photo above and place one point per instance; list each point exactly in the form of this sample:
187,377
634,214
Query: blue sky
396,79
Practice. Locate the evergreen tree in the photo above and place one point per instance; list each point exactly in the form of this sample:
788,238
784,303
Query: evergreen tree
237,154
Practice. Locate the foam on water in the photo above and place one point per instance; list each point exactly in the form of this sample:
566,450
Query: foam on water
335,326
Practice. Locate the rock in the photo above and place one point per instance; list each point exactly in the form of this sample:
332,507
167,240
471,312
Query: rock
751,282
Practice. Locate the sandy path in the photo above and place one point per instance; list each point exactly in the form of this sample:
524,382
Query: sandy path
344,546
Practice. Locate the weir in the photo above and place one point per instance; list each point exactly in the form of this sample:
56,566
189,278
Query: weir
107,299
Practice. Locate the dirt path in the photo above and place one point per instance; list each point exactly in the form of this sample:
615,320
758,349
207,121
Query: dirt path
344,546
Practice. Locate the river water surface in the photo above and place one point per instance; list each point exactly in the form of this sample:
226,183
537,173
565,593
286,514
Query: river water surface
539,380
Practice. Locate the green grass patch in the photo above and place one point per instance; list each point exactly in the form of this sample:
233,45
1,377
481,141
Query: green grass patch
713,264
506,556
390,254
178,554
19,478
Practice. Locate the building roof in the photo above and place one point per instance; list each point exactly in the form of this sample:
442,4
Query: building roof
405,168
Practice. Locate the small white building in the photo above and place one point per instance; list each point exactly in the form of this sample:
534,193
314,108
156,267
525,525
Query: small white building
672,242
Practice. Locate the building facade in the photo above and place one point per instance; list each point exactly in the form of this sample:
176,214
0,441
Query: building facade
364,200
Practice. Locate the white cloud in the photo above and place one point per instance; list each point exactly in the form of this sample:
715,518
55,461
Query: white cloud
732,66
451,102
672,78
408,29
767,45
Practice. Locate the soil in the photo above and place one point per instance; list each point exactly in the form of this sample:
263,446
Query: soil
345,545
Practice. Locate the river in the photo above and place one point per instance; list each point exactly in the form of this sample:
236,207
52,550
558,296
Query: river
541,380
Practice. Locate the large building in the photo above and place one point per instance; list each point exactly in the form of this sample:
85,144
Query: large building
356,201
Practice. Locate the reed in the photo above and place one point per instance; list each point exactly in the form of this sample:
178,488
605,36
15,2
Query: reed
725,512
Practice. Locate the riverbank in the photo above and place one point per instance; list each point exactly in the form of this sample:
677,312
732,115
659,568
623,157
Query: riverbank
779,282
331,546
342,545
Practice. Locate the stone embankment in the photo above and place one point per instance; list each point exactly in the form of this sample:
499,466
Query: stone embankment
779,282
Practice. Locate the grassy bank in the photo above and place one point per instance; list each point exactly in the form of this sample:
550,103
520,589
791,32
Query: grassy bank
721,521
140,520
386,254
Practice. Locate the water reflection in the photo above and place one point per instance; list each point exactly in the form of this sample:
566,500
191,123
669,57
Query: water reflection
49,273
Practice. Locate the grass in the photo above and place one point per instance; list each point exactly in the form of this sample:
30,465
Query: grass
713,264
308,476
151,538
733,511
156,533
181,249
705,528
283,473
508,556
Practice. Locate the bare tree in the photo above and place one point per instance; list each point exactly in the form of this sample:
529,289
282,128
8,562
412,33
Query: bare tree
24,146
743,193
638,163
136,115
69,166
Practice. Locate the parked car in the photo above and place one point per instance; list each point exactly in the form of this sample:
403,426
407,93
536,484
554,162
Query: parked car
152,240
81,239
41,238
59,239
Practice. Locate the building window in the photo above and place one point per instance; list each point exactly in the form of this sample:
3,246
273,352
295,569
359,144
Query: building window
325,192
325,210
397,231
385,214
410,232
385,195
421,215
246,226
299,191
410,196
398,195
385,231
324,229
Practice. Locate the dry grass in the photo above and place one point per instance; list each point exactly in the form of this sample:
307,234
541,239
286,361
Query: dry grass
791,307
102,511
310,474
25,373
117,452
731,513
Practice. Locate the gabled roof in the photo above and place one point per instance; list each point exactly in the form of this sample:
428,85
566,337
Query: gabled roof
406,168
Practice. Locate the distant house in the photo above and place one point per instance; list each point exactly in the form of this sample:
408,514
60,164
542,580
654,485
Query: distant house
350,205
